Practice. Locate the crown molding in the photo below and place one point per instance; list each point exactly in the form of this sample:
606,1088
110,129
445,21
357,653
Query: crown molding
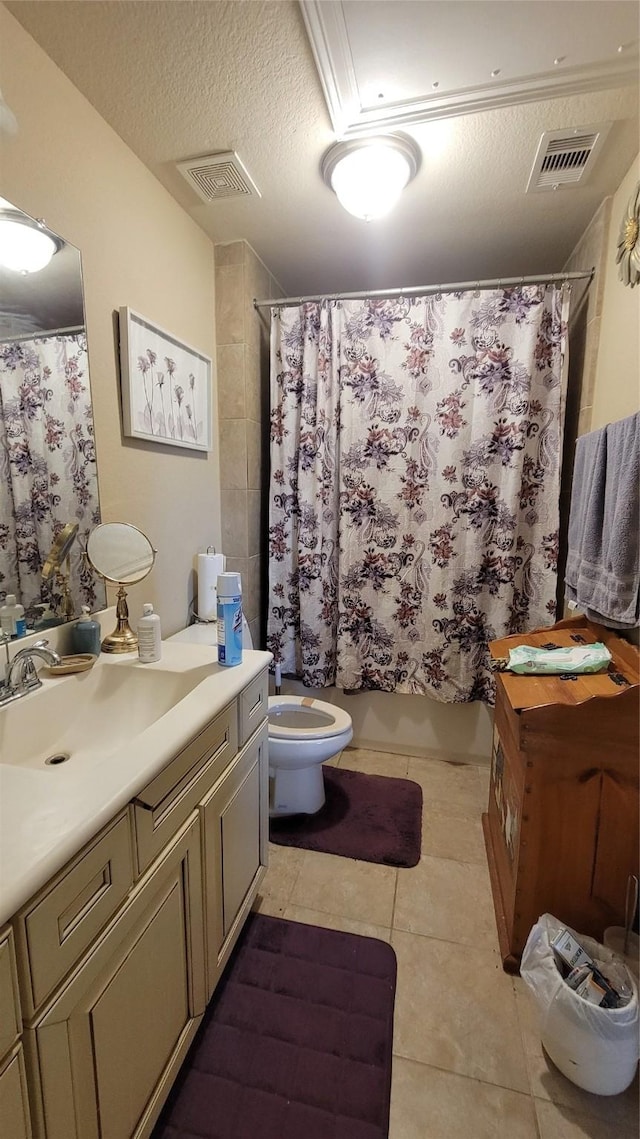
329,38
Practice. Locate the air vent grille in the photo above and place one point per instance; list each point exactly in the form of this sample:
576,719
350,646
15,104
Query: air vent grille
565,158
214,176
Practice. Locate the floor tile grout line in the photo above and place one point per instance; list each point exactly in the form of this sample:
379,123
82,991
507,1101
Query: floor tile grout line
393,904
448,941
461,1075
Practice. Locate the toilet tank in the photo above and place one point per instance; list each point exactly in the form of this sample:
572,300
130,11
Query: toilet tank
206,634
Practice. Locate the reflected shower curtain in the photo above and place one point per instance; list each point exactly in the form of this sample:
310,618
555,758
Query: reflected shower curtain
48,473
415,475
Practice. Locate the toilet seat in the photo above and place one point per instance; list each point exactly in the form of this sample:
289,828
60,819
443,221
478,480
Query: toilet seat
314,719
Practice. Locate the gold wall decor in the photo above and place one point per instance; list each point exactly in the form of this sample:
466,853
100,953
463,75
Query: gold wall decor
628,255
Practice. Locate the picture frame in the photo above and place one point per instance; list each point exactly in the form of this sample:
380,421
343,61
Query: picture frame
166,386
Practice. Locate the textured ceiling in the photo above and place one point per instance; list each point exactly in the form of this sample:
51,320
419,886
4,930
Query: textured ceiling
176,80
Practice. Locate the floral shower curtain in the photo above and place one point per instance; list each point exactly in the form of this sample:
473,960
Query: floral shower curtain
415,470
48,473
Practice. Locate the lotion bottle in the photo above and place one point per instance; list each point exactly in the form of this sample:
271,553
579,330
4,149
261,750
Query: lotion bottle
149,635
85,634
12,618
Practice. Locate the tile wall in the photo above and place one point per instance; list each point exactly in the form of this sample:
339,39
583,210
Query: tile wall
242,359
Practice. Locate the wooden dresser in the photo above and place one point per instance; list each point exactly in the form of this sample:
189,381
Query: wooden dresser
561,829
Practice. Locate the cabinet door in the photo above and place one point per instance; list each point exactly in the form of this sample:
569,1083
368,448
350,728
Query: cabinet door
236,834
14,1111
616,843
111,1044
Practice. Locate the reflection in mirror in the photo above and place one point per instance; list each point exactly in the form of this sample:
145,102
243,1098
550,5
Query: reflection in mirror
55,569
48,472
123,555
120,552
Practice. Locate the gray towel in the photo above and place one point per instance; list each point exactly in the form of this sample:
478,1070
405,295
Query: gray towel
603,562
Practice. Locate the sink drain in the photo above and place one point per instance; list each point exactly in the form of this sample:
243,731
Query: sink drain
59,757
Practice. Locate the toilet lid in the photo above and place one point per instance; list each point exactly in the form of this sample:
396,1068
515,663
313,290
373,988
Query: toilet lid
301,716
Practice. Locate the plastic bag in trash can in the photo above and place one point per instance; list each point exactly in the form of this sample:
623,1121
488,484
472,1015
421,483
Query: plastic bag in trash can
597,1048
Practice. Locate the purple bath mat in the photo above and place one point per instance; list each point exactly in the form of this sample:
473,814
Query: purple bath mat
370,817
296,1043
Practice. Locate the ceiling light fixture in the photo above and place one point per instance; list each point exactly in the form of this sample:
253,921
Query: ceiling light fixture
26,245
368,175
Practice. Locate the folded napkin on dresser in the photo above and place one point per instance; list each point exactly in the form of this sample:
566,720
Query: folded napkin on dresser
603,562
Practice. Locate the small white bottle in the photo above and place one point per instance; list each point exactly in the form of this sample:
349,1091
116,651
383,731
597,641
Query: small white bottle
149,635
12,618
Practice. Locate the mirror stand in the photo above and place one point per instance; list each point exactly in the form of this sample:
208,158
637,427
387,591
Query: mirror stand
122,639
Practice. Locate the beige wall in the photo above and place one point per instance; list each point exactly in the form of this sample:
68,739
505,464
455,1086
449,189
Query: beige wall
140,249
585,319
616,391
243,410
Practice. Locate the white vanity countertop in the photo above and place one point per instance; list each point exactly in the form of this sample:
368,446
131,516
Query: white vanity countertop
48,813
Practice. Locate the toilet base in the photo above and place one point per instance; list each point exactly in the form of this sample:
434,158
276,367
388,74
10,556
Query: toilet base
298,791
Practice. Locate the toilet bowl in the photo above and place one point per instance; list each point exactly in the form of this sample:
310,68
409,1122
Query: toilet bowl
303,734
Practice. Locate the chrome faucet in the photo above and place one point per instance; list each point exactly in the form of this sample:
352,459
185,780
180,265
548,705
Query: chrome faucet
20,673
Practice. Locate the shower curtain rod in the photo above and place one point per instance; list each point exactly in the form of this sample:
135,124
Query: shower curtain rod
71,331
427,290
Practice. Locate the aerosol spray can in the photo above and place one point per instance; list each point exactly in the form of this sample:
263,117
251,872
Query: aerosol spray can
229,591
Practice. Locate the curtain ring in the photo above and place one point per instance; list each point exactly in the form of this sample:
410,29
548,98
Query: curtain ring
477,290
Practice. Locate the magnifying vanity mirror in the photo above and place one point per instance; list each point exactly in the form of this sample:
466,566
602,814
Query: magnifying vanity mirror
122,555
48,470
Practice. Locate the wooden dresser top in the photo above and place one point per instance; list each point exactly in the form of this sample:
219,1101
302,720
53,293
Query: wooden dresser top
534,691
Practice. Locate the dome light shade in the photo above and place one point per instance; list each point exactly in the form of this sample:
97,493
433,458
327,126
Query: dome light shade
368,175
25,246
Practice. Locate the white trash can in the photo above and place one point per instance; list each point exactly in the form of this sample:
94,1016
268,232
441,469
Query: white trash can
596,1048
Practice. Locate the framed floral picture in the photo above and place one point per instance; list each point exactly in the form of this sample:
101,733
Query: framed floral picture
166,386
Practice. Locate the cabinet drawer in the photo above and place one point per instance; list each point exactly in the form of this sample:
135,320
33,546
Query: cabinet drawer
58,925
10,1020
252,706
165,803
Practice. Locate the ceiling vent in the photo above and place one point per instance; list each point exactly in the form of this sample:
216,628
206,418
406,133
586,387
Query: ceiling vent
566,158
216,176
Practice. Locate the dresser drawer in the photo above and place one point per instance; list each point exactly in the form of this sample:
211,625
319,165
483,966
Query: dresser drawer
253,706
54,930
164,804
10,1020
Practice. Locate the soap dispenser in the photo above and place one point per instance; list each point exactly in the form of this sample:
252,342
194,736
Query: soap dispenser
85,634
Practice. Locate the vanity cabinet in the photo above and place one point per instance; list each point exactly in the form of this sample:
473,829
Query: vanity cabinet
235,845
14,1108
108,1048
118,955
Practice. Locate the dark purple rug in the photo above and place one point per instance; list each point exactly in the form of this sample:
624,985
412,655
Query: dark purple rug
370,817
296,1043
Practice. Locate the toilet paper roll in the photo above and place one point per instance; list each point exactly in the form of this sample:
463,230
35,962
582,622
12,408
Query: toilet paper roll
209,566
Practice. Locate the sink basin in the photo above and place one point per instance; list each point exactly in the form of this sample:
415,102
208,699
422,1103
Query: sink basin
93,714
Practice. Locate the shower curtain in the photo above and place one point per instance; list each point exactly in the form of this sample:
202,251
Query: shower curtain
48,473
415,468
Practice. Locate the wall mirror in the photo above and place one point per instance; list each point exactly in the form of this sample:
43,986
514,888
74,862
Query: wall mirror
48,470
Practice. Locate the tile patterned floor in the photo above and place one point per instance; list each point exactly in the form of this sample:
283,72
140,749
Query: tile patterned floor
467,1057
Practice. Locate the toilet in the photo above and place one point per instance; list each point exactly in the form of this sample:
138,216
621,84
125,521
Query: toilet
303,734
